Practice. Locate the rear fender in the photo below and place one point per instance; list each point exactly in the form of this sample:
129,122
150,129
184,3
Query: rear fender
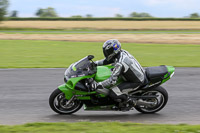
170,73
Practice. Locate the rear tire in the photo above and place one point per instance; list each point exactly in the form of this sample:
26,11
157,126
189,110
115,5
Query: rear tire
159,106
57,103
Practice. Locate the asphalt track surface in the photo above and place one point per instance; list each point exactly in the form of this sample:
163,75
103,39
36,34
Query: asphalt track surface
24,97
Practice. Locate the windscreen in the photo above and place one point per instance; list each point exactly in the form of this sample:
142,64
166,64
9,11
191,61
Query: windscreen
81,68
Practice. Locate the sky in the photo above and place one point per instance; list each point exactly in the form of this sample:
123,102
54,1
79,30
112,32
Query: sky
108,8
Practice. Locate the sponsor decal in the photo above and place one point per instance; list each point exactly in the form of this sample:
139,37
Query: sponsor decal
73,76
81,75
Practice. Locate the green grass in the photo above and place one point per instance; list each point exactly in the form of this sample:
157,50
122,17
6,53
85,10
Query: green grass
99,127
54,54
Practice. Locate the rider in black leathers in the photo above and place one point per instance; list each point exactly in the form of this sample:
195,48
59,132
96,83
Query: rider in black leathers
126,66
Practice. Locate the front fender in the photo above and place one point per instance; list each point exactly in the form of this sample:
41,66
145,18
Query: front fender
68,92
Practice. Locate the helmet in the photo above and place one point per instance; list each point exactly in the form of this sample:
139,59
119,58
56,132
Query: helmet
111,48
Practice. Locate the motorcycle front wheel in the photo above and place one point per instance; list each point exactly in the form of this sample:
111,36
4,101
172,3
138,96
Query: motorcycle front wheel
57,102
160,101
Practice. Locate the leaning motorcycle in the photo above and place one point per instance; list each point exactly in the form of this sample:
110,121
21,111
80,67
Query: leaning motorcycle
77,90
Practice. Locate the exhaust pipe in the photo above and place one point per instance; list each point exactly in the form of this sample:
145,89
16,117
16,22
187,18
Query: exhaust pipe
144,103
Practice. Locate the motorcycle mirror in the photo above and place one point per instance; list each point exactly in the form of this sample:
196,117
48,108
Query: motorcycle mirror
90,57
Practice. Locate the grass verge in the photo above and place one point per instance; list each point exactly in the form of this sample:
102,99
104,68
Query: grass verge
55,54
99,127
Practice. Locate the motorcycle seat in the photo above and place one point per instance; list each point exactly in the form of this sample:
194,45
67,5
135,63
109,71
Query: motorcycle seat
156,73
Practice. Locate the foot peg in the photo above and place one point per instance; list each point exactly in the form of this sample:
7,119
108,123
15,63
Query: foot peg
131,101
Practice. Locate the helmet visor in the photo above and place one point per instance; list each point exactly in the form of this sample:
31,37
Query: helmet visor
108,53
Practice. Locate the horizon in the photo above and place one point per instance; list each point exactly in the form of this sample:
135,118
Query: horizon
66,8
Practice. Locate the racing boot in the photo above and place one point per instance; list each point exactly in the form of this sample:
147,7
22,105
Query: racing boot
128,104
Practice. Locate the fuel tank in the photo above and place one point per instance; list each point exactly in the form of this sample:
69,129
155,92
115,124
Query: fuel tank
103,73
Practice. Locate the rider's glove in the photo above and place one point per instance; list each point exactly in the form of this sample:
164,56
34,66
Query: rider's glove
96,63
95,86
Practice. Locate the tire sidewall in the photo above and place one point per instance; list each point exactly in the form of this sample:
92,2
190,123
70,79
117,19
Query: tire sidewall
53,95
164,93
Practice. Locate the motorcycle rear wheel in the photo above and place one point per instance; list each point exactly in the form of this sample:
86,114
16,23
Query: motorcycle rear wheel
58,102
161,102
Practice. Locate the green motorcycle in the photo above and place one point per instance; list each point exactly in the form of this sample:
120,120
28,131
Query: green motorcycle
77,90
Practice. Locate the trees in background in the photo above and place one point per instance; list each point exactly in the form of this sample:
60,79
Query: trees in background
194,15
88,15
3,8
76,16
48,12
14,14
143,14
39,12
118,16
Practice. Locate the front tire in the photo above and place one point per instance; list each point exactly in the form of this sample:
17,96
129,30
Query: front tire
58,102
163,97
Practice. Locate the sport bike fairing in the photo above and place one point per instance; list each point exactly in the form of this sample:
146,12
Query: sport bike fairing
79,69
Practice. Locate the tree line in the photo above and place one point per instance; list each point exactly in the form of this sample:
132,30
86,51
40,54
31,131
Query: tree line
3,8
51,12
